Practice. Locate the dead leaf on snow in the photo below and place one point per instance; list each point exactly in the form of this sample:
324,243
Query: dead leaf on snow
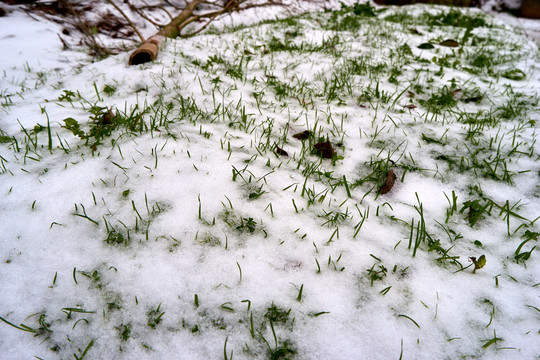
107,118
324,149
449,43
280,151
303,135
454,92
389,183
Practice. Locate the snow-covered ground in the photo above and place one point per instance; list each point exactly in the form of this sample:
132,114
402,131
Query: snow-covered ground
150,212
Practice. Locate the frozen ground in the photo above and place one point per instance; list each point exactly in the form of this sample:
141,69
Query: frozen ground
150,212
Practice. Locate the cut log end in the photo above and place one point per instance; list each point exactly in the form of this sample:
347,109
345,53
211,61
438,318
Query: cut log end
145,53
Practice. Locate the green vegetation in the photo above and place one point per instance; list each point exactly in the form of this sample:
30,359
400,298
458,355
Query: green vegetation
309,151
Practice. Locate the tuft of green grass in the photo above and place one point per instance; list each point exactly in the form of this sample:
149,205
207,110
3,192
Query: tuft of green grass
154,317
451,18
277,315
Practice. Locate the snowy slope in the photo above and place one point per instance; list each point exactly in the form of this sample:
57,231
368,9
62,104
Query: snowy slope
149,211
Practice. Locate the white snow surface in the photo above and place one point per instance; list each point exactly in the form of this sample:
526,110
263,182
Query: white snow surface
220,247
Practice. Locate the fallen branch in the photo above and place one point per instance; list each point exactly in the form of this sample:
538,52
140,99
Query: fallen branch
149,49
73,18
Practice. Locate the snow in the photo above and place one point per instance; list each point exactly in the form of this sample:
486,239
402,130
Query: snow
32,50
220,260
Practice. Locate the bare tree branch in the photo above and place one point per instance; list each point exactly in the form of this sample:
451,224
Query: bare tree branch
145,17
149,49
202,27
230,6
166,12
127,19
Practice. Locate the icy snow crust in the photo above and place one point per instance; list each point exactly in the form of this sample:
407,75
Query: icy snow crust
184,234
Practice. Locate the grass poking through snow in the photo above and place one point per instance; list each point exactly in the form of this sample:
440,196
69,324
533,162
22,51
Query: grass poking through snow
324,185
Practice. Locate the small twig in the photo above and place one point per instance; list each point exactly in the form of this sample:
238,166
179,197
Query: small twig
141,13
148,6
193,18
64,43
173,5
127,19
166,11
147,18
90,39
202,27
30,12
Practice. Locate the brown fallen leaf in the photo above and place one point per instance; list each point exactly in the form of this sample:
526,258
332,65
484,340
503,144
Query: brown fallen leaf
389,184
454,92
107,118
324,149
449,43
303,135
410,106
280,151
